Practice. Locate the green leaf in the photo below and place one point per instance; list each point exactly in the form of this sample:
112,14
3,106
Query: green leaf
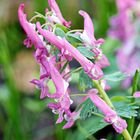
84,81
33,105
116,76
89,127
64,28
86,52
87,108
137,132
135,81
56,53
126,110
59,32
74,38
119,99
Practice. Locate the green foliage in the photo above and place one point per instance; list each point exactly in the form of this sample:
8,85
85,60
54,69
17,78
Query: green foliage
115,77
87,109
73,38
127,111
135,82
59,32
86,52
89,127
124,108
84,81
34,105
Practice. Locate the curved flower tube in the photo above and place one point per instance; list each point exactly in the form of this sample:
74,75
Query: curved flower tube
88,34
55,9
91,69
110,115
29,29
60,84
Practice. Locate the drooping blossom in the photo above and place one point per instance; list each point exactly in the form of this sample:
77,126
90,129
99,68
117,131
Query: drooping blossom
89,40
137,94
88,34
91,69
57,16
29,28
110,115
70,118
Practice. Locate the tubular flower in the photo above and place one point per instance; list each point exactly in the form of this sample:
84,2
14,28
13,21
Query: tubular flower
88,34
91,69
60,84
57,16
89,39
32,36
54,40
110,115
137,94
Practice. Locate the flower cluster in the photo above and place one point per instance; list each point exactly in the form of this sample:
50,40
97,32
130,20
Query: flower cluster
54,51
125,27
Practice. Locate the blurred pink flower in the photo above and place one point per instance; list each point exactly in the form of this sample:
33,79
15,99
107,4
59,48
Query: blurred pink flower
137,94
124,27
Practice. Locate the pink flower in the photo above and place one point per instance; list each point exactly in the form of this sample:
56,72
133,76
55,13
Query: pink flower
70,118
32,36
57,17
110,115
60,84
137,94
41,85
124,4
88,34
91,69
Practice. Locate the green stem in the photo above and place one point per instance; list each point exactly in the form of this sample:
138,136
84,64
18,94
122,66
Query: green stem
103,93
131,123
137,132
125,133
73,95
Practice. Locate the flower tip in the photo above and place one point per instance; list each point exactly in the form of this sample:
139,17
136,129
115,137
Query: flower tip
21,6
81,12
92,91
38,26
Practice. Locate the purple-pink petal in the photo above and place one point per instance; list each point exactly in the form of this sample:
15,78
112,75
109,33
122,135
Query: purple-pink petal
88,26
54,7
30,31
110,115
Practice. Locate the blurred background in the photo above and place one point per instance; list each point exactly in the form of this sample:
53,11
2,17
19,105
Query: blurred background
23,116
